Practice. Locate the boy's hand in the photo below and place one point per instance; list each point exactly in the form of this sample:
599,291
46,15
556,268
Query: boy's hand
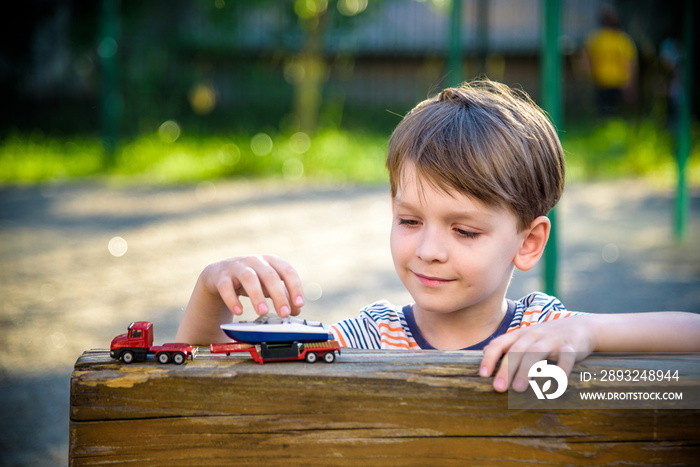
215,296
566,341
256,277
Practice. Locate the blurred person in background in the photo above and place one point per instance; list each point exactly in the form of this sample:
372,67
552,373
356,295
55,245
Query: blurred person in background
612,62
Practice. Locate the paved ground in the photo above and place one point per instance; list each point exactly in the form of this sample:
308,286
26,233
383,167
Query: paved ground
63,291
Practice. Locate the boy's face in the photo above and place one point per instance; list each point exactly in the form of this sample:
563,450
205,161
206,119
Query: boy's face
452,253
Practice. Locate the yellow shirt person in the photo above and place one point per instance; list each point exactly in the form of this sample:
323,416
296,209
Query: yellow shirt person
612,63
612,56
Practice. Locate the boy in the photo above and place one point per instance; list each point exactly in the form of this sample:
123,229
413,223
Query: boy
473,173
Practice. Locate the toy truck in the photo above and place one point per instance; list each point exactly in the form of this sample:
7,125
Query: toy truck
137,345
286,351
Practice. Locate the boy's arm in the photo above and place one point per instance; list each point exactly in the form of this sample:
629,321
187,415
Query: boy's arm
569,340
215,301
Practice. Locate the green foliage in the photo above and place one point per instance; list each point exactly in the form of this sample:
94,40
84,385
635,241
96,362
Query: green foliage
331,155
169,158
615,148
35,158
609,150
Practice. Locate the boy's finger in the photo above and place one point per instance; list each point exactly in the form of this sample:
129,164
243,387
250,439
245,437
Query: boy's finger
512,364
294,293
274,288
252,287
488,362
500,380
565,356
567,359
228,294
519,374
494,351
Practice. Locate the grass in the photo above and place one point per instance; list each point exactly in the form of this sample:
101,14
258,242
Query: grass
612,149
159,158
615,149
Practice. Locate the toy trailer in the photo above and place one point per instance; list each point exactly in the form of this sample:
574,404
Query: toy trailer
289,351
137,344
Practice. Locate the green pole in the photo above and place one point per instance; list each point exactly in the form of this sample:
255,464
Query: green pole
454,55
684,136
108,53
550,82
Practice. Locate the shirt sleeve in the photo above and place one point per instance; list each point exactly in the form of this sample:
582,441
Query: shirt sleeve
379,326
357,333
538,308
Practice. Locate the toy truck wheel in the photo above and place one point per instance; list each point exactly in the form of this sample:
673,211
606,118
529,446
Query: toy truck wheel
128,356
163,357
329,357
179,358
311,357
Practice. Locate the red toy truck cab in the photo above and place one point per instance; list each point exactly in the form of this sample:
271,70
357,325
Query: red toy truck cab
137,344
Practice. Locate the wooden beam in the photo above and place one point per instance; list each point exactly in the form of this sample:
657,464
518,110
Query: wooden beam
375,407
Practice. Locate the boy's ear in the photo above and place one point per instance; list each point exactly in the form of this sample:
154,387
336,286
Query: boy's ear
534,240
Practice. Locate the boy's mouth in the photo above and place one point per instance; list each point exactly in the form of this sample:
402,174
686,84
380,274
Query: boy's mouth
431,281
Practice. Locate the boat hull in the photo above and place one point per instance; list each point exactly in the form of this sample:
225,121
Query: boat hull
258,337
267,329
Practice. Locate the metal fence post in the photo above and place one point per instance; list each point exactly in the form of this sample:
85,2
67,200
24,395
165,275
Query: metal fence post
454,53
550,90
684,136
108,52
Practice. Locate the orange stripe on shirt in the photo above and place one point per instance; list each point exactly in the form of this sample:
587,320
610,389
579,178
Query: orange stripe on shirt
403,345
394,340
391,329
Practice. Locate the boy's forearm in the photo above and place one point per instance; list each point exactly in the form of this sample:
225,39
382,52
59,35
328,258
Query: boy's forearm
646,332
202,330
203,316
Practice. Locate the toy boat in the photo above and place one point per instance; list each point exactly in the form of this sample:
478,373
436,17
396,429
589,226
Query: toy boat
269,330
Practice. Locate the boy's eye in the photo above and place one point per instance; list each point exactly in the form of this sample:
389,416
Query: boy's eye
409,222
466,233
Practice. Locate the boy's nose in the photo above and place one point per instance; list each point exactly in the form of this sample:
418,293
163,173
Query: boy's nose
432,247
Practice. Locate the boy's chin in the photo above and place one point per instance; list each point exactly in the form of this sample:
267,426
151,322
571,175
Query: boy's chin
435,307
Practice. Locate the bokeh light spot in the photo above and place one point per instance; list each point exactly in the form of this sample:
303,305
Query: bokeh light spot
107,47
352,7
58,340
261,144
313,291
294,72
299,142
169,131
117,247
48,292
202,99
610,253
230,154
310,8
205,192
293,169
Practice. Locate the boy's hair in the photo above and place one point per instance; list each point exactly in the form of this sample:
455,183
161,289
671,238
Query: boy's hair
486,141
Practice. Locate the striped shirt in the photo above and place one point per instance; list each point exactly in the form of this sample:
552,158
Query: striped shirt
386,326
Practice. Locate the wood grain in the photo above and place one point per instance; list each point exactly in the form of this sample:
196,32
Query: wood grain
378,408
